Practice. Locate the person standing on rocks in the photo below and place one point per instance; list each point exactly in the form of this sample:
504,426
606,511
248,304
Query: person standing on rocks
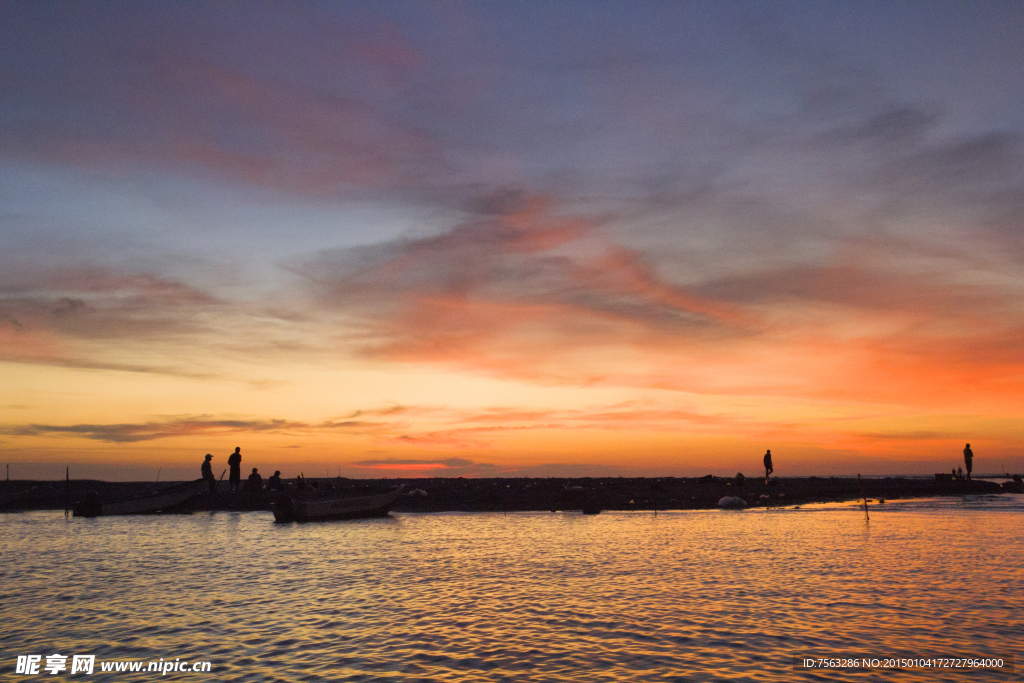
969,460
235,462
768,469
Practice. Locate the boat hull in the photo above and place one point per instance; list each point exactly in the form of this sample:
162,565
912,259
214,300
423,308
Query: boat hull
143,505
290,509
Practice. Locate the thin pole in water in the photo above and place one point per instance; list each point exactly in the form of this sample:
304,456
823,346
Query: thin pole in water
67,490
158,474
866,518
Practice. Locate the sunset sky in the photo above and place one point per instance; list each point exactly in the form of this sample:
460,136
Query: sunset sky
511,238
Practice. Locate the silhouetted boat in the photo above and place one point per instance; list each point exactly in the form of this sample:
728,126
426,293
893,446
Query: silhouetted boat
1015,485
161,501
289,508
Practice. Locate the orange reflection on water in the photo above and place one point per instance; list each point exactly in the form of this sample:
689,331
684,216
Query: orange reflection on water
529,596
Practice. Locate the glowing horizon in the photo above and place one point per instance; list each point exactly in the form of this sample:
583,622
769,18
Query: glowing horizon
447,239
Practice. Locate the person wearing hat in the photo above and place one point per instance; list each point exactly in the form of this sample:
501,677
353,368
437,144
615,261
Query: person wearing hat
274,482
208,474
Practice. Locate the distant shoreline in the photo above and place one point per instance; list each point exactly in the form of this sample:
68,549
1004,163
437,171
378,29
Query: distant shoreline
526,494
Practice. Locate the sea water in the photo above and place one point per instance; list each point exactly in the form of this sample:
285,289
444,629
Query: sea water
697,595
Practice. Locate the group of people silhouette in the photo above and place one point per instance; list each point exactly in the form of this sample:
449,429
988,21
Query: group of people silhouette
253,483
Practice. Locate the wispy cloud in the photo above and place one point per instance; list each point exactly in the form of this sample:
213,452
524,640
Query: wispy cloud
300,134
66,316
528,283
131,433
109,318
420,464
101,303
426,426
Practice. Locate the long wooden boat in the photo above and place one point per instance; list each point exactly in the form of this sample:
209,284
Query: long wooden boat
141,505
290,508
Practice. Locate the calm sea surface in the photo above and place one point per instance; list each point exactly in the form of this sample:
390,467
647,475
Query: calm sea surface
529,597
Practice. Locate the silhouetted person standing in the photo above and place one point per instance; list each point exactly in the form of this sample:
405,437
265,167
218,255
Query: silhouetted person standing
969,460
768,469
207,470
235,462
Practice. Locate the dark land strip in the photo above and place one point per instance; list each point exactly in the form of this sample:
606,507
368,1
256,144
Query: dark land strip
524,494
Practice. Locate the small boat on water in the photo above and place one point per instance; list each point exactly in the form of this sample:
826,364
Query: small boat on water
1015,485
154,503
732,503
289,508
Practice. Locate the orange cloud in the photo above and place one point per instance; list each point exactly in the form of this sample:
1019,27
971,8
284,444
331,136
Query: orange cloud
527,294
522,291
